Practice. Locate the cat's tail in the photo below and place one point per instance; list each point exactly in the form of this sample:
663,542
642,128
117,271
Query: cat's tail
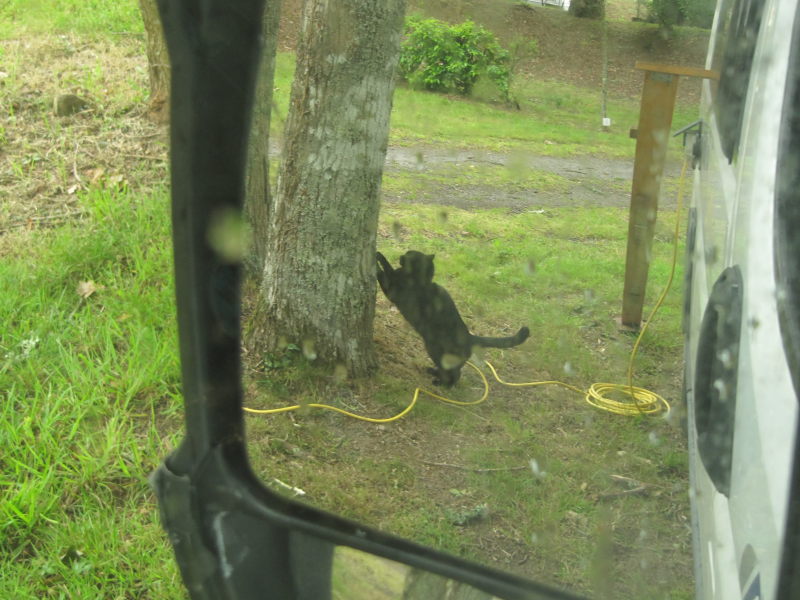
502,342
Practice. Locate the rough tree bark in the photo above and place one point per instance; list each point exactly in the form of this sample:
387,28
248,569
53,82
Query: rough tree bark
319,277
158,68
258,194
422,585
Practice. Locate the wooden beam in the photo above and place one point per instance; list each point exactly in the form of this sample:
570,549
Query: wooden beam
655,120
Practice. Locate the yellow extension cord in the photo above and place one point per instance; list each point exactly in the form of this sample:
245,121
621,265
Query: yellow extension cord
639,401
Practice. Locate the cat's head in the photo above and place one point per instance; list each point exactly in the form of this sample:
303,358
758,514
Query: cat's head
418,265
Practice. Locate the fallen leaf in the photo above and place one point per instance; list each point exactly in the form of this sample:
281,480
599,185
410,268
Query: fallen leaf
116,181
94,175
86,288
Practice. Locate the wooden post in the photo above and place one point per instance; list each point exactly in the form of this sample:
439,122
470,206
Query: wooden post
655,120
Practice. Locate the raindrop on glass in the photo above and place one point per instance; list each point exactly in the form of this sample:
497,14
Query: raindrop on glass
536,469
722,389
397,230
340,373
725,357
308,349
229,235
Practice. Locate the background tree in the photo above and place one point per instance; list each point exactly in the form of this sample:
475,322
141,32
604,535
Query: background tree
423,585
258,194
318,286
158,68
669,13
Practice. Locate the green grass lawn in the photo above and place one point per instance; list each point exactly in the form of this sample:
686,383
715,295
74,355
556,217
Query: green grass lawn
92,399
90,382
554,119
559,272
91,403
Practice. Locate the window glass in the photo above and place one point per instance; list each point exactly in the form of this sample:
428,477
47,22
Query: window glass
738,43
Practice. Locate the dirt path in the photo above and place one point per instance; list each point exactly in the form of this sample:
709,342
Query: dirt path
591,180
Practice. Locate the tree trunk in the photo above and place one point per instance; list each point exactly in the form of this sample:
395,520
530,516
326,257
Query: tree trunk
258,195
422,585
158,68
319,275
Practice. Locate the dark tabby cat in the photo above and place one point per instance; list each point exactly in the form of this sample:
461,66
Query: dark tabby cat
431,311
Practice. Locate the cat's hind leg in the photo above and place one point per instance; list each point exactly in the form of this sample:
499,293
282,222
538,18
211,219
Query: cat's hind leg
445,377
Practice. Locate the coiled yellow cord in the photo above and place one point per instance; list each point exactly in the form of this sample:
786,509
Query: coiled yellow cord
644,401
638,401
400,415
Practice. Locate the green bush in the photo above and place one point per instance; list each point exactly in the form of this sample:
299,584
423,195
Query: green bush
450,58
587,9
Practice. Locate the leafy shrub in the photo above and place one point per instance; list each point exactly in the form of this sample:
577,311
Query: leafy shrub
587,9
450,58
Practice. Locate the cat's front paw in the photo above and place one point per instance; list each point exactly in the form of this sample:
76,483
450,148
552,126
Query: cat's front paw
383,264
